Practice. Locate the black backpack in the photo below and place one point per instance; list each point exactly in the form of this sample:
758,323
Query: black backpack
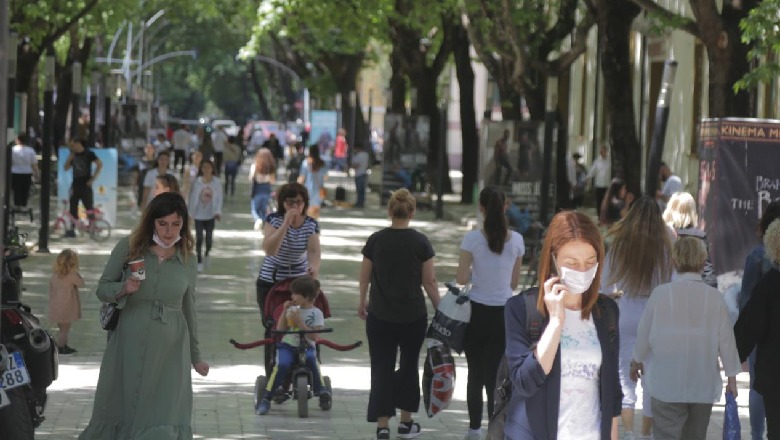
534,325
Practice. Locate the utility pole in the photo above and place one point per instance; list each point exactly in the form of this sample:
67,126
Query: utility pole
48,122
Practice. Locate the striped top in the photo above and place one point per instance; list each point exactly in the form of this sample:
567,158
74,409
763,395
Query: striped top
292,260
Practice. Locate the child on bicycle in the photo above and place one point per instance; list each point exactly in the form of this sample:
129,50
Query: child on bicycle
64,301
299,314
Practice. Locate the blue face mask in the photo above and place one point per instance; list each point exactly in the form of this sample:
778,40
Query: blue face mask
577,282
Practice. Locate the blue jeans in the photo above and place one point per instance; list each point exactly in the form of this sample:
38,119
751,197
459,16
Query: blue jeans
261,194
360,187
286,355
756,403
231,171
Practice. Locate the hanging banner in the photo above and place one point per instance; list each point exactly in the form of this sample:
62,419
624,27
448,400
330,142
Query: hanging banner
103,188
738,178
405,154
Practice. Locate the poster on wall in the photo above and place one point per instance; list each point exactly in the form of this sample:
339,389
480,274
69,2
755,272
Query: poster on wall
405,154
511,158
738,178
103,188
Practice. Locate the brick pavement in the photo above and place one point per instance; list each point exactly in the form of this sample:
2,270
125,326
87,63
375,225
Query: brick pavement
223,406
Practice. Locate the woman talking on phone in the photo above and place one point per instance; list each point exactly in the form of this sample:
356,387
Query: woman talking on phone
565,385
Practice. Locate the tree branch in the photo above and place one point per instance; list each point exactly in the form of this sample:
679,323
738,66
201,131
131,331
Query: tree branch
687,25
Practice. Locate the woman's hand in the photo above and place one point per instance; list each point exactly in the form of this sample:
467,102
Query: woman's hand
553,299
132,284
731,385
636,370
363,310
202,368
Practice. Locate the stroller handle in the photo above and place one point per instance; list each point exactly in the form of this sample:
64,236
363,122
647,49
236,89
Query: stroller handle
301,332
337,347
325,342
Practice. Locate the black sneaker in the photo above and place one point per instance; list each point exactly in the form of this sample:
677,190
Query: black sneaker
67,350
408,430
383,434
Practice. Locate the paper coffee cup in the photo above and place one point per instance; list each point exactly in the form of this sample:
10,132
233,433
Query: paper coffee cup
137,269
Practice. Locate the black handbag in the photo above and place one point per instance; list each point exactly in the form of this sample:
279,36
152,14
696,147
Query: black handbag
109,312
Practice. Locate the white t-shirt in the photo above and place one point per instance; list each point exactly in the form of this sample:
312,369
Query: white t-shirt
312,317
159,147
150,177
360,163
22,159
579,414
181,140
491,273
219,138
601,170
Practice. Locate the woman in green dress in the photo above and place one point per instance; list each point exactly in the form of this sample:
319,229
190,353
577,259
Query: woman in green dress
145,390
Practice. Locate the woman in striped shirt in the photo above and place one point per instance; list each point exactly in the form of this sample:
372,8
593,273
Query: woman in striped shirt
291,241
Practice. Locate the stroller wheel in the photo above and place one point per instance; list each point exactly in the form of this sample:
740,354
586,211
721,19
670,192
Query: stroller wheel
259,389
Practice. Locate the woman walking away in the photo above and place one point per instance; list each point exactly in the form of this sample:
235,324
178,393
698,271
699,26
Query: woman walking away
616,202
205,207
312,176
145,388
757,264
638,260
262,174
565,379
24,165
64,301
683,331
680,215
490,258
232,156
396,262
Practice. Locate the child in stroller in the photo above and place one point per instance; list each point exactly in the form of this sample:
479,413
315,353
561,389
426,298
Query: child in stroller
298,313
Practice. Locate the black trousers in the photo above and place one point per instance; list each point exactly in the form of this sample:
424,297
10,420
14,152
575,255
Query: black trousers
391,388
772,408
218,163
200,226
179,155
20,184
600,193
83,193
484,345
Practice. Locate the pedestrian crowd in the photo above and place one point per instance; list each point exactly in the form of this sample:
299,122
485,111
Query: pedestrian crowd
634,307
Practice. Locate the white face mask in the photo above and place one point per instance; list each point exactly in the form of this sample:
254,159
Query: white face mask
156,238
577,282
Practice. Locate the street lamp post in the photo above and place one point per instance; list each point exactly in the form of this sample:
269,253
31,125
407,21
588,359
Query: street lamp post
549,130
92,110
48,122
442,156
352,117
11,48
75,111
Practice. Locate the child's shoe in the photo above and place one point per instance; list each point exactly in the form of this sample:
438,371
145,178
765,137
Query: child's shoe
408,430
325,400
382,434
263,407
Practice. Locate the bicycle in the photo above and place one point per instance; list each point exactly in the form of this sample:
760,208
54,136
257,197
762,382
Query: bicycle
95,225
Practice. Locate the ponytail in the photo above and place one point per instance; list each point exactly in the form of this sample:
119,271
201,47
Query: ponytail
493,200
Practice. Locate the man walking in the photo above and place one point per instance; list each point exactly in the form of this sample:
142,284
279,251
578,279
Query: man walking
601,173
181,145
80,160
219,139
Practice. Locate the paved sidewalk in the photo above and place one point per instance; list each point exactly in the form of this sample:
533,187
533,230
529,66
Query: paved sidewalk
227,309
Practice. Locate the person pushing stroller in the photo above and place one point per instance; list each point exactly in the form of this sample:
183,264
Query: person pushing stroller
297,314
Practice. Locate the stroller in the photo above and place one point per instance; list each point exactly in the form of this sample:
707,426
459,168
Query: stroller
300,378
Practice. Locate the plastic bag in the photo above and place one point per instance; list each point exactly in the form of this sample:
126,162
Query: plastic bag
438,381
451,319
731,426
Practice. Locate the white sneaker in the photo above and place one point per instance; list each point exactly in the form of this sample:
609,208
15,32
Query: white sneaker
258,224
200,267
473,435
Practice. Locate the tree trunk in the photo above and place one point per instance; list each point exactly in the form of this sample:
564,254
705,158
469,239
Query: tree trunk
26,71
614,30
535,98
397,82
265,112
468,118
511,109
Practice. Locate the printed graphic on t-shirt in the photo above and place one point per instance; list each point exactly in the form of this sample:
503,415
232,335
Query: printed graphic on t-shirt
579,415
206,195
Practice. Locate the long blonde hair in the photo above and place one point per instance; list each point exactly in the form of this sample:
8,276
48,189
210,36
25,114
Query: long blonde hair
680,212
160,206
67,261
265,162
641,249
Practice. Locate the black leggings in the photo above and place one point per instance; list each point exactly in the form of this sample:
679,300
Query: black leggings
82,192
20,183
393,388
484,346
200,225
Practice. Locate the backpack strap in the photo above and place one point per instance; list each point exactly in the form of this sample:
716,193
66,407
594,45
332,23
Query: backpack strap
534,321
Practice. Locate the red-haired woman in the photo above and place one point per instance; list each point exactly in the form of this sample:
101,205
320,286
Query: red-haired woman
565,385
